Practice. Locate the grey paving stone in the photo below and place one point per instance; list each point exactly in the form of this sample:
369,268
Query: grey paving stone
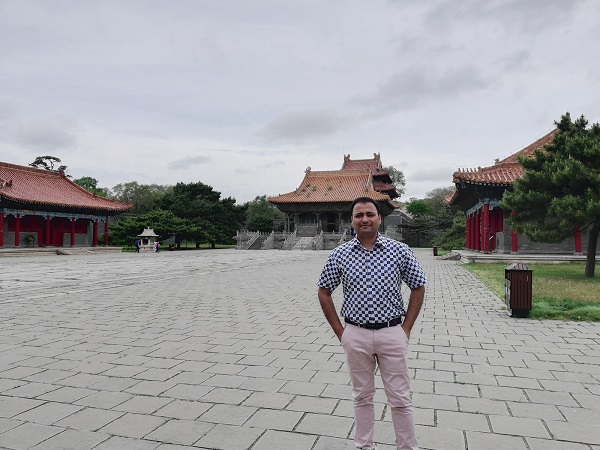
31,390
48,413
329,443
483,406
122,443
142,404
228,437
535,411
133,425
280,439
228,414
312,404
7,424
229,396
462,421
437,438
73,440
519,426
269,400
90,419
11,406
546,444
487,441
574,432
275,420
181,409
457,389
325,425
184,432
67,394
27,435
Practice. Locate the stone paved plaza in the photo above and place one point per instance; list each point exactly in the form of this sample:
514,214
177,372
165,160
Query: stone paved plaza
230,350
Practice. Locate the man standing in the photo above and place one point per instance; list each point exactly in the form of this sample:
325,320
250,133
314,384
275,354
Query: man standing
371,269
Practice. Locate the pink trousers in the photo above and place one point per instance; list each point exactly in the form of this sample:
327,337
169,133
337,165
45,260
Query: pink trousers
386,348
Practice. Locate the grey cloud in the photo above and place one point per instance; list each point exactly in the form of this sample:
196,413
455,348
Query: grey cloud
416,85
516,60
48,132
528,16
301,126
8,109
187,162
431,174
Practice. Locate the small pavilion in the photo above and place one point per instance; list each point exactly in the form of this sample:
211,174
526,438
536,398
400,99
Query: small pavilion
479,192
44,208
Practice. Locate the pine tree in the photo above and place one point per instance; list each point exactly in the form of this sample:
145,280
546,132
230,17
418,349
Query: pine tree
560,188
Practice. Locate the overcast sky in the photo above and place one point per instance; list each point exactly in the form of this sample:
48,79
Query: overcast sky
243,95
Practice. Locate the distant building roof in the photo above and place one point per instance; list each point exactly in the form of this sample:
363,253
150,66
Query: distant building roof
504,172
333,186
23,184
373,164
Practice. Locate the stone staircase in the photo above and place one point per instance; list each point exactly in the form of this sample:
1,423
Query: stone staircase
304,243
257,244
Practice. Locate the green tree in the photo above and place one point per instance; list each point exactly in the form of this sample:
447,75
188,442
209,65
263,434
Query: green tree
164,223
143,197
48,163
560,188
398,179
418,208
91,185
216,219
260,214
453,237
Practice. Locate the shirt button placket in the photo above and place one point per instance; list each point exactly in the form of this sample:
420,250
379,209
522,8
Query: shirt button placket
369,270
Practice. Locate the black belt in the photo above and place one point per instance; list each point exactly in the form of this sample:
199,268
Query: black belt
376,326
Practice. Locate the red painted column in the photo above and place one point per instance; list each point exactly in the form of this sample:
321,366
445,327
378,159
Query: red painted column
486,227
2,229
478,231
48,243
106,232
17,229
72,231
514,238
577,239
95,234
473,231
467,231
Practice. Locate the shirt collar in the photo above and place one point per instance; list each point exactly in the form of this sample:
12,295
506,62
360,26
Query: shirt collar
378,242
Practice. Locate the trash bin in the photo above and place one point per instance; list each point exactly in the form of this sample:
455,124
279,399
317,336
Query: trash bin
517,288
435,250
171,247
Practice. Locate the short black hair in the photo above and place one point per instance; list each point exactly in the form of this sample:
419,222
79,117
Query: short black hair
363,200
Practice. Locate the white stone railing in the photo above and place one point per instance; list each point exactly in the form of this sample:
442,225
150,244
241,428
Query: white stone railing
289,241
268,244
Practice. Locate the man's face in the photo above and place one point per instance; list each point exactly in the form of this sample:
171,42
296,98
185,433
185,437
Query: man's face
365,220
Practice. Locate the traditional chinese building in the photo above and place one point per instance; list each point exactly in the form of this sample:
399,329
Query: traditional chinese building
322,201
44,208
478,193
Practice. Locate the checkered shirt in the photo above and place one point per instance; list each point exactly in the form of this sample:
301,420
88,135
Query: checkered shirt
372,279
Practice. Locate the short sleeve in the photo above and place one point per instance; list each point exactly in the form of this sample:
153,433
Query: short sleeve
331,275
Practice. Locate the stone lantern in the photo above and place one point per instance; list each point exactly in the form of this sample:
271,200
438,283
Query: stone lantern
147,240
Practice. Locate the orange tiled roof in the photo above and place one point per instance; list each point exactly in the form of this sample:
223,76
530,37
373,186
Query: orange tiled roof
332,186
25,184
503,172
373,164
383,187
